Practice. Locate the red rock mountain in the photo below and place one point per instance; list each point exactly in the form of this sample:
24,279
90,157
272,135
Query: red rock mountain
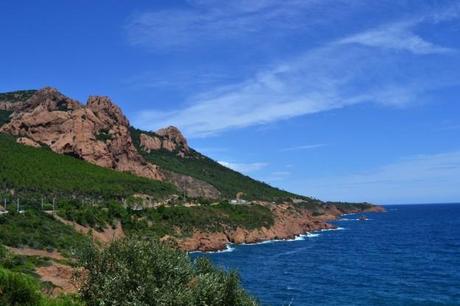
97,132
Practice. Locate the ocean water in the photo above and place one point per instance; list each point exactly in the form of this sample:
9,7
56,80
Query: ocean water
409,255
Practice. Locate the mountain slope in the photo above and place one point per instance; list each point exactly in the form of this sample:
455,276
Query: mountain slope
99,133
190,162
33,172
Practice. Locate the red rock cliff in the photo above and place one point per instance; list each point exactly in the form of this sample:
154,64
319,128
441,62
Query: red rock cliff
97,132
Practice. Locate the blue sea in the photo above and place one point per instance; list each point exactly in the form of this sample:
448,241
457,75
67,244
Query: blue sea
409,255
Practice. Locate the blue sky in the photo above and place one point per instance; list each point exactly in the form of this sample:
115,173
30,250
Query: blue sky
342,100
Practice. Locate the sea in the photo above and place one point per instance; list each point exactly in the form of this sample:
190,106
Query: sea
409,255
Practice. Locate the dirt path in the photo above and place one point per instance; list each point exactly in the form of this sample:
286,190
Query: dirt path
108,235
60,276
34,252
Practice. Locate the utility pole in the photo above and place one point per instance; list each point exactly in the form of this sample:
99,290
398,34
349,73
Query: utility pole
17,204
4,203
42,203
54,200
183,189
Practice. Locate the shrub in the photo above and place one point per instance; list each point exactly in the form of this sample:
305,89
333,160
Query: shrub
18,289
144,272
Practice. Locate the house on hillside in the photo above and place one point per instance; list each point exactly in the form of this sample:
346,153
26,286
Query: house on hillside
239,200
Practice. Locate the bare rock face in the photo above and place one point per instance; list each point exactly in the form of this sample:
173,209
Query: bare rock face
28,142
97,133
169,139
191,186
173,138
149,143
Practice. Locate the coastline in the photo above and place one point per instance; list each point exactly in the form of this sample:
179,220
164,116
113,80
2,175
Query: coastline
290,223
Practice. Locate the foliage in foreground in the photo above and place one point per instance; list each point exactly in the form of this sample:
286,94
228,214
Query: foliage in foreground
22,290
144,272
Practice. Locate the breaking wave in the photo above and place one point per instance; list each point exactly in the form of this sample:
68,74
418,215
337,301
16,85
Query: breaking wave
333,229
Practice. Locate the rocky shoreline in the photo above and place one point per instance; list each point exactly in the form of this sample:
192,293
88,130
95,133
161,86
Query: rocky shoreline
290,222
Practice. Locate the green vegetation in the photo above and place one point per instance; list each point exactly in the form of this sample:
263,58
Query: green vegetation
166,220
22,264
39,230
212,218
318,207
22,290
144,272
4,117
227,181
104,135
97,216
16,96
34,173
345,207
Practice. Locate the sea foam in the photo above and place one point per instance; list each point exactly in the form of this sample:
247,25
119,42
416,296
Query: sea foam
333,229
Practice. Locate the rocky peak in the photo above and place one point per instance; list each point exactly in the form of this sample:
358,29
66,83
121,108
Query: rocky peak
172,133
97,133
106,110
169,139
50,99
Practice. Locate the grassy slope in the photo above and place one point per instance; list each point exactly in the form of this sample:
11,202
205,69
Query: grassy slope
227,181
39,230
40,172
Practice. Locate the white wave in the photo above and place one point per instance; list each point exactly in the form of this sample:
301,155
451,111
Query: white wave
296,238
347,219
302,237
228,249
260,242
333,229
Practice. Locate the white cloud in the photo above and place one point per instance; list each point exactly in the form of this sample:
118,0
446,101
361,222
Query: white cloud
244,167
398,36
304,147
210,20
433,178
338,74
321,80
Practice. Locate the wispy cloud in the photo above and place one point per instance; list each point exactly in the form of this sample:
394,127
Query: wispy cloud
304,147
398,36
244,167
434,177
177,80
337,74
209,20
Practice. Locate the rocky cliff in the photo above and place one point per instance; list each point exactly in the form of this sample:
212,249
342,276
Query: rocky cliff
290,221
97,132
169,139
